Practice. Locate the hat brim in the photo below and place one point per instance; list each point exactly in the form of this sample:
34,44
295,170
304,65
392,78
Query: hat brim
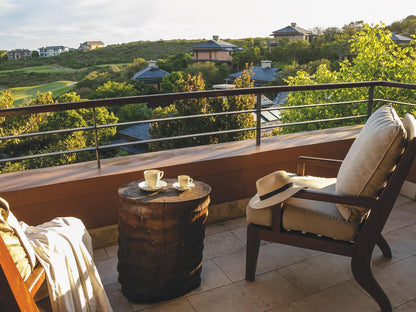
256,203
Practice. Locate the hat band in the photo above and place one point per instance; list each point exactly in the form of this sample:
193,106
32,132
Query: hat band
275,192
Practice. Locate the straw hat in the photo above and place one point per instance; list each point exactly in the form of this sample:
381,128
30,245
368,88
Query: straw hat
272,189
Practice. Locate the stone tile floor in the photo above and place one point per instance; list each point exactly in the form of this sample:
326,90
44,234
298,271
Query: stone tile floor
288,279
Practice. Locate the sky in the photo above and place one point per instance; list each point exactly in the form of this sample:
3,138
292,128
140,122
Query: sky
31,24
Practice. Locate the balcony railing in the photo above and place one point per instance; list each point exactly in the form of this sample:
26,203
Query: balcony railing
159,99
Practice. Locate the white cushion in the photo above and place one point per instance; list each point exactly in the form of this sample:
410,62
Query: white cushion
370,159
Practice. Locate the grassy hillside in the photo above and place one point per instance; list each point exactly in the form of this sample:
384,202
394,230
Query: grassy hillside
115,54
29,76
26,93
34,69
112,54
75,65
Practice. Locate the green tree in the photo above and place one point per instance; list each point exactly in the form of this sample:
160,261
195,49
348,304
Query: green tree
377,58
92,80
209,70
292,69
16,125
353,27
327,35
200,107
6,100
234,103
174,82
112,89
406,26
133,112
336,50
56,142
181,108
3,55
300,51
279,53
137,65
254,51
175,62
102,116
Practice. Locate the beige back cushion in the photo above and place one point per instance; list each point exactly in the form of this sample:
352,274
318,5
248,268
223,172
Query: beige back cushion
409,124
370,159
16,242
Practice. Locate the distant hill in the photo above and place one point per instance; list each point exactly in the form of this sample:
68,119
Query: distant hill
75,65
113,54
125,53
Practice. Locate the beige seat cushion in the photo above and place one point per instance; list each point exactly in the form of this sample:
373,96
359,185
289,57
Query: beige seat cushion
307,215
371,159
16,241
263,216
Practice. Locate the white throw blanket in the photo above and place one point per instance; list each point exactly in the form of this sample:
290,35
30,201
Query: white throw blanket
63,247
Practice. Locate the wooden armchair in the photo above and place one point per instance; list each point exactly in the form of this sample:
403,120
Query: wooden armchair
16,294
359,238
59,252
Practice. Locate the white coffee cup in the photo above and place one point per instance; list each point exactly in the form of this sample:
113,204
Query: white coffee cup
153,177
184,181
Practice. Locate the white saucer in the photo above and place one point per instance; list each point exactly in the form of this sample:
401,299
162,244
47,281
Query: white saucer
161,184
177,186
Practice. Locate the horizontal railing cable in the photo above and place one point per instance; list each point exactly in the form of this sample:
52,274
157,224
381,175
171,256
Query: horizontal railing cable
315,105
312,122
32,134
178,137
395,102
86,149
160,98
176,118
154,100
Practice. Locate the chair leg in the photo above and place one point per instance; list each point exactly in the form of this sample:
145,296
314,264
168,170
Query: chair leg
361,269
252,252
384,246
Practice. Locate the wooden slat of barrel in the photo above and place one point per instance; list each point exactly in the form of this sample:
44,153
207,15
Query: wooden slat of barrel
161,241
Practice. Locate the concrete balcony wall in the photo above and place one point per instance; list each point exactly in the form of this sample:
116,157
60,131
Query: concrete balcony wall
83,191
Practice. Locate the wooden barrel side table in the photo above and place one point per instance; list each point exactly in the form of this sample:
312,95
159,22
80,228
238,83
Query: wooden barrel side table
161,239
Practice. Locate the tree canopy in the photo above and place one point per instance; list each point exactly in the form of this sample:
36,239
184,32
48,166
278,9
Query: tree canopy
52,142
377,57
200,107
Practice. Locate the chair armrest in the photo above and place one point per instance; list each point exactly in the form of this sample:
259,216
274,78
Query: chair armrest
366,202
14,294
303,161
35,279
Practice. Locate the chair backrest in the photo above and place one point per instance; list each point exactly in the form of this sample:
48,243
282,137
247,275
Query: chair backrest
14,293
378,216
371,159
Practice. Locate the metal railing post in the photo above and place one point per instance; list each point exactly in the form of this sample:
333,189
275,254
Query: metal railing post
258,121
370,101
97,154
